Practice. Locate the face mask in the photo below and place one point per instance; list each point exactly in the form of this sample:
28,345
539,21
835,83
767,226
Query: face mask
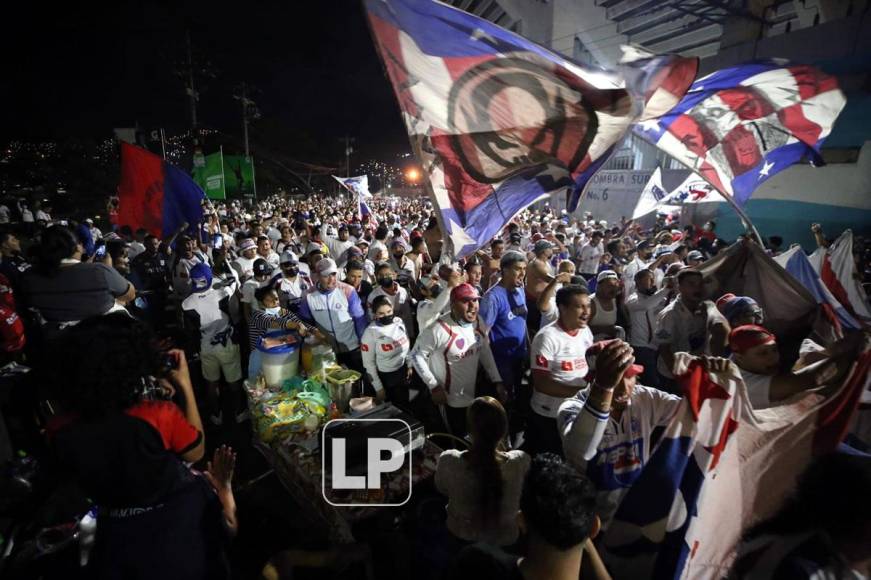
385,282
465,323
398,256
649,292
385,320
273,311
291,272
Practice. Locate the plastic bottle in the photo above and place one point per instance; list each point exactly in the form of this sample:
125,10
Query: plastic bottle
87,534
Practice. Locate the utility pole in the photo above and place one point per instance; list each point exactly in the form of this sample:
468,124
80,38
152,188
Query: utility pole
348,150
244,100
191,89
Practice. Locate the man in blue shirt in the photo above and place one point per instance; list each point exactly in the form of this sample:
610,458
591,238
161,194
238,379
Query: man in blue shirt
503,312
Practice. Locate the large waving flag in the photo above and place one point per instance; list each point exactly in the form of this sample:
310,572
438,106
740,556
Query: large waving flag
155,195
836,271
796,263
739,126
497,121
719,468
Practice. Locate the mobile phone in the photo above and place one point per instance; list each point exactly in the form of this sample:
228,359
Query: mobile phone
218,241
100,251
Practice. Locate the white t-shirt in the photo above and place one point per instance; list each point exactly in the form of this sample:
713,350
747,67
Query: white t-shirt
290,292
244,266
562,355
684,330
248,289
385,349
588,260
643,310
551,314
216,328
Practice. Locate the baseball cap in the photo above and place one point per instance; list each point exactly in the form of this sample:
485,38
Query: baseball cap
201,277
89,221
542,245
661,251
643,245
398,243
695,255
247,244
748,336
536,237
313,247
261,267
362,241
287,257
515,238
607,275
464,292
326,267
509,258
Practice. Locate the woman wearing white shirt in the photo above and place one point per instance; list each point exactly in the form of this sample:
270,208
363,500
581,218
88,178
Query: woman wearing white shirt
384,348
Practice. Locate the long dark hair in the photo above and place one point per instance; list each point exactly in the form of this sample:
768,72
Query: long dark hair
102,363
57,243
488,424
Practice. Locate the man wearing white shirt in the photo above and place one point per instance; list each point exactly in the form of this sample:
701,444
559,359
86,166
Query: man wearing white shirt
244,264
590,256
643,306
447,356
641,261
559,366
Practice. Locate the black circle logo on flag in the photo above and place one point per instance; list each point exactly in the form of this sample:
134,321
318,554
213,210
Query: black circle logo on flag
510,114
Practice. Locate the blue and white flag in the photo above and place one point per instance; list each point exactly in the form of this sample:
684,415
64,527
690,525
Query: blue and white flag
358,185
739,126
498,122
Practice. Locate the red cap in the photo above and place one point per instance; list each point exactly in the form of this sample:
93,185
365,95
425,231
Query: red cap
723,300
464,292
748,336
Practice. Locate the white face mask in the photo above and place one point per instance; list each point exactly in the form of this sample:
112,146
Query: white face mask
276,311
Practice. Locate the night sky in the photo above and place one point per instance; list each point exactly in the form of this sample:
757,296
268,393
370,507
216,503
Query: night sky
83,71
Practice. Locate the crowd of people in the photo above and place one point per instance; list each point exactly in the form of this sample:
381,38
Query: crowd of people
550,351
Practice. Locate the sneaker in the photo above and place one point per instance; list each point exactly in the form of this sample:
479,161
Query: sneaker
243,416
217,420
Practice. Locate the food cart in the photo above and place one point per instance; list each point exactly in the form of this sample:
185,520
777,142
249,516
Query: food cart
289,413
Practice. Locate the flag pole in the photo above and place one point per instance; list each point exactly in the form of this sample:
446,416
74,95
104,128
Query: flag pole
223,178
748,224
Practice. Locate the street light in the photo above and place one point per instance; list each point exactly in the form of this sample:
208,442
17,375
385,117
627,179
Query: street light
412,175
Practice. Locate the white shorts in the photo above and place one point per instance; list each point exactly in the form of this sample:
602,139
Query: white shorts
222,358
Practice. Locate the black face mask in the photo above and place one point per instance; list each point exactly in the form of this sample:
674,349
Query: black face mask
649,292
291,272
385,320
398,256
385,282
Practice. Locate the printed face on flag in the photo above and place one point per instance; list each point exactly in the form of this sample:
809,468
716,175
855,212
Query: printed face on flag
496,121
739,126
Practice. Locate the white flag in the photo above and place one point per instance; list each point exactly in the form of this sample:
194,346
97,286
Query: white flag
357,185
651,195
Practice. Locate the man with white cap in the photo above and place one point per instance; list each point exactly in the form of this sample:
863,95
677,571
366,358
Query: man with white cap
335,308
435,300
244,264
289,283
604,305
447,357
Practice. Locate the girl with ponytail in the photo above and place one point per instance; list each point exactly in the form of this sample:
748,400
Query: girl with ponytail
483,484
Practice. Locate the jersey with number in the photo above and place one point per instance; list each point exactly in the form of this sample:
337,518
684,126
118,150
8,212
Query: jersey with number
561,355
